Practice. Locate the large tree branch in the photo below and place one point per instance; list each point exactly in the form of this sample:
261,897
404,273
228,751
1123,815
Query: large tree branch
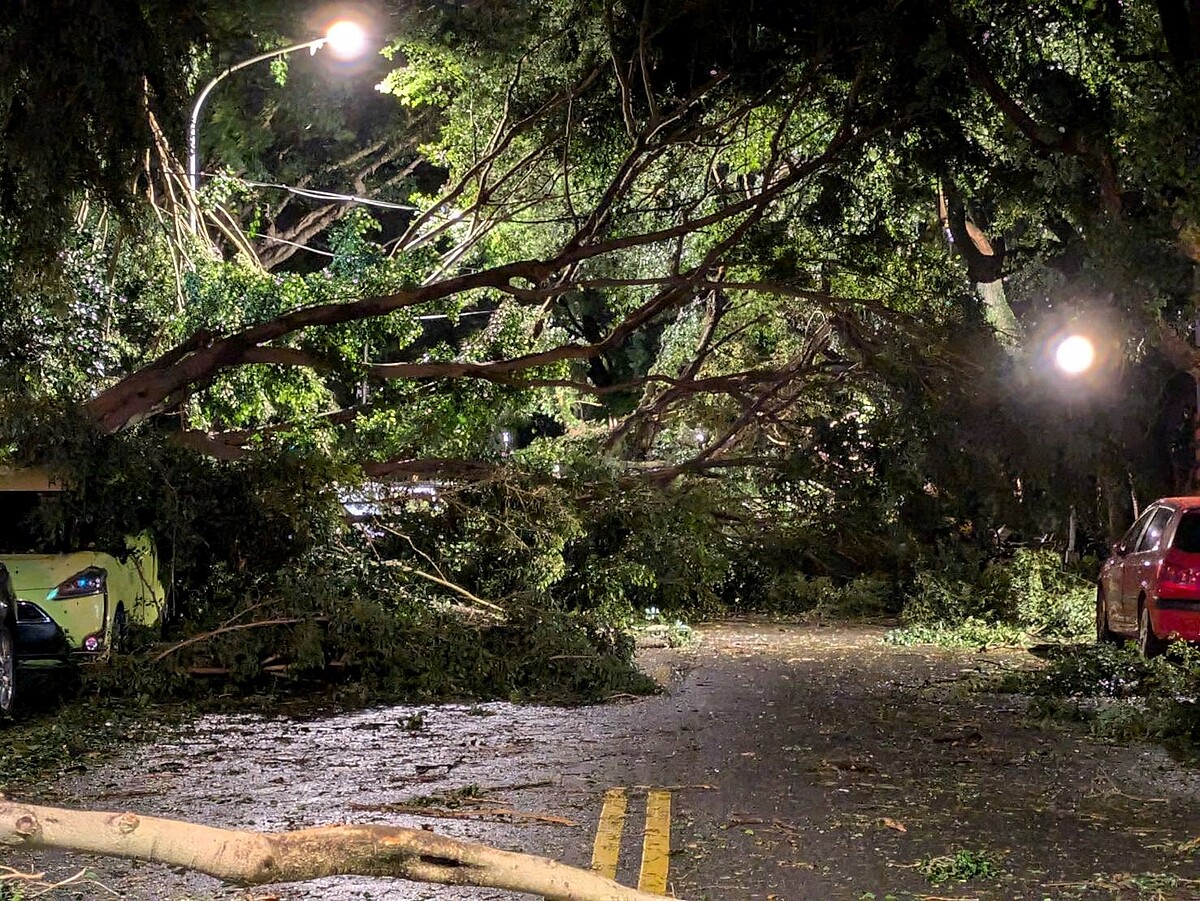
261,858
285,356
277,245
144,392
235,443
1182,355
664,475
167,380
1180,25
985,261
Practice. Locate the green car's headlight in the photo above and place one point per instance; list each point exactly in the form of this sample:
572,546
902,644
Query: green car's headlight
83,583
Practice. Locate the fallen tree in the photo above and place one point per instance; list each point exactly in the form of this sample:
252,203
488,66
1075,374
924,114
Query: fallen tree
260,858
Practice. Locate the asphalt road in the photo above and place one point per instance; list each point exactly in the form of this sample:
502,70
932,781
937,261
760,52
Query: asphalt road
782,762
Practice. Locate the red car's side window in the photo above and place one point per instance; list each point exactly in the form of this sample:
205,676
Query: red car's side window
1129,542
1150,538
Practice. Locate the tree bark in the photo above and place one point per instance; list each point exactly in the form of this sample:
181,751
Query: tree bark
1180,25
985,265
260,858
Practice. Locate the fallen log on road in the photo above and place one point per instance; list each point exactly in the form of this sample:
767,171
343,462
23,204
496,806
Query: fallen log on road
261,858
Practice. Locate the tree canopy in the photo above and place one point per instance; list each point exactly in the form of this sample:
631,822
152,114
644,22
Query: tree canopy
796,268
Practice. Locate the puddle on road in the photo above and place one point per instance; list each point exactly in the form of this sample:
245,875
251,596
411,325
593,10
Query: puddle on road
278,773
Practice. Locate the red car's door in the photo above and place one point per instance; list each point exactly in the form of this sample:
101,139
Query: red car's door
1140,564
1112,576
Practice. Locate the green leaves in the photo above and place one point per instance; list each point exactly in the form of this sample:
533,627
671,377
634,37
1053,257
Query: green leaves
430,76
78,79
963,865
975,602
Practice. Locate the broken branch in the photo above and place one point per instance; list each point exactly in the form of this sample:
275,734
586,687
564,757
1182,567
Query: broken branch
260,858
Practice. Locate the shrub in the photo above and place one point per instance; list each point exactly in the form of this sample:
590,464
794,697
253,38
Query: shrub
1120,694
1027,595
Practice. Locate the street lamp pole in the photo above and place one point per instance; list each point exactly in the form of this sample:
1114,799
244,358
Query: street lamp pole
193,135
346,38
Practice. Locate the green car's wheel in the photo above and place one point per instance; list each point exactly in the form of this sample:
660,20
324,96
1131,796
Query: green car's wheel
8,671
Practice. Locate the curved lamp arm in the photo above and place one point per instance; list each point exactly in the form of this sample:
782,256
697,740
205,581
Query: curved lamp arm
193,144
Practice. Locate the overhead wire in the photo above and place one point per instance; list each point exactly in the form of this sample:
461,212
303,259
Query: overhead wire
317,194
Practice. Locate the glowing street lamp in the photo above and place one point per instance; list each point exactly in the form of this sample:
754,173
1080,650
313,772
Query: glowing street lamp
1075,355
345,40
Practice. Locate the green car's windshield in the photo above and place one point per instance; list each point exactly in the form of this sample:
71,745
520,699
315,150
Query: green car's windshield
32,522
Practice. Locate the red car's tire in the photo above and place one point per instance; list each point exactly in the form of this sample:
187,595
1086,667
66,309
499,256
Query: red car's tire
1149,644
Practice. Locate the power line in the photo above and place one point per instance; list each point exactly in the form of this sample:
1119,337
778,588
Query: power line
316,194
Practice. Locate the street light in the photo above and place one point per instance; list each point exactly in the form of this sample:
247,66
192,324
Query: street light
1075,355
346,40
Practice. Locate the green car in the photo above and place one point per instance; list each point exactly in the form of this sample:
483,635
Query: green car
71,602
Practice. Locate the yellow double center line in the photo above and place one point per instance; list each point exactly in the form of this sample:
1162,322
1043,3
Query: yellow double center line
656,842
607,849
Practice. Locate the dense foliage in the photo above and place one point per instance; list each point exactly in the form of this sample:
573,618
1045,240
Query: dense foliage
1119,695
671,306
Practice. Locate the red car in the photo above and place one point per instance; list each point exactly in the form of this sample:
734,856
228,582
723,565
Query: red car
1150,587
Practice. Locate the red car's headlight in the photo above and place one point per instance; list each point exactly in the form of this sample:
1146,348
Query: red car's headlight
88,581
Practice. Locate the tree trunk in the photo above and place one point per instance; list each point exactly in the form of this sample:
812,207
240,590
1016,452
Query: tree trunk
1193,481
259,858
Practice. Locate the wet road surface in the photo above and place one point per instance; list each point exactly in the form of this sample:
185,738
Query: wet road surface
793,761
